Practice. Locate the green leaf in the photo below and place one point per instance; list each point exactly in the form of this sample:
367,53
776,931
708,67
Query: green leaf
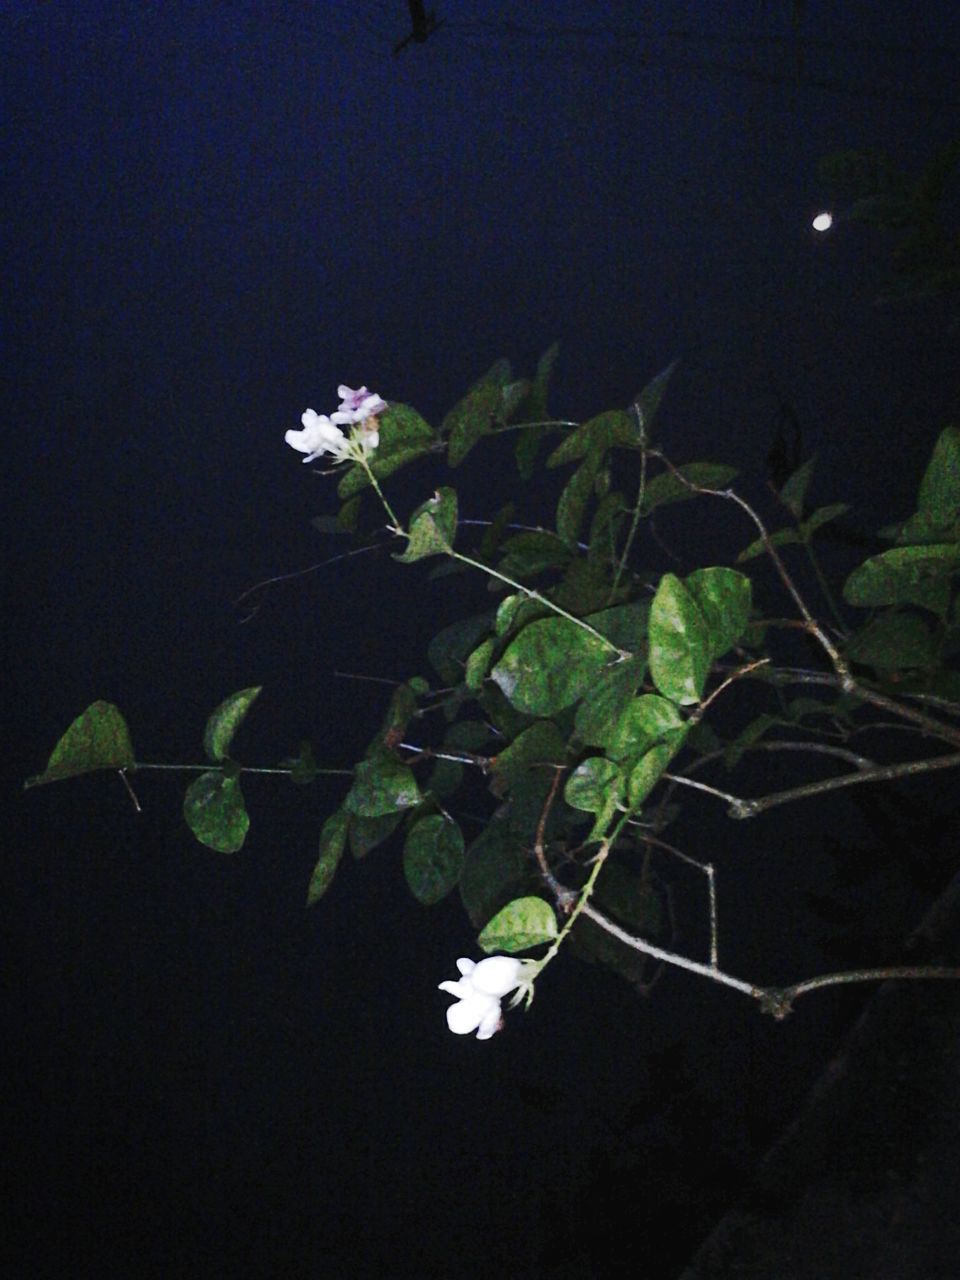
794,492
225,721
404,436
550,664
596,786
605,527
893,642
537,406
666,488
898,575
433,527
527,554
823,515
624,625
433,858
333,838
614,429
724,597
214,810
573,501
494,532
647,402
478,664
597,715
97,739
381,785
592,784
540,744
939,497
476,414
680,643
495,869
536,410
645,721
647,772
303,768
449,649
366,833
522,924
780,538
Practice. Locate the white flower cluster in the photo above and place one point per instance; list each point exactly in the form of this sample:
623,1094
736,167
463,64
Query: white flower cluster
321,434
480,989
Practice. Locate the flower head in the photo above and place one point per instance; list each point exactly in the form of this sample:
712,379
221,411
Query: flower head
356,406
480,989
322,434
319,436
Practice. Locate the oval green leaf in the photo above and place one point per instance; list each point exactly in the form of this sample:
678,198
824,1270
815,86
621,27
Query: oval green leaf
433,858
679,642
381,785
724,597
523,923
897,576
214,810
939,498
550,665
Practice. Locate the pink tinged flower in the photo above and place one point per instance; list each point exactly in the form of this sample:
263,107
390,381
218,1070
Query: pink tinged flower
356,406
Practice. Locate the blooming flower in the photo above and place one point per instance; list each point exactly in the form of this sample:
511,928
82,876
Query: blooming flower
479,991
356,406
322,434
319,436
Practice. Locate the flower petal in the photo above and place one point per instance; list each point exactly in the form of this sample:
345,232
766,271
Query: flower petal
473,1012
490,1023
462,989
496,975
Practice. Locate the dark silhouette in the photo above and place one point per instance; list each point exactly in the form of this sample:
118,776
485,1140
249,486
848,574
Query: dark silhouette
422,24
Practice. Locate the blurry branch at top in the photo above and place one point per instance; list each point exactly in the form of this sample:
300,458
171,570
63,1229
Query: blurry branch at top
422,24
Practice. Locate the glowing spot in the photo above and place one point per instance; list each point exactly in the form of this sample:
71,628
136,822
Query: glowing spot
823,221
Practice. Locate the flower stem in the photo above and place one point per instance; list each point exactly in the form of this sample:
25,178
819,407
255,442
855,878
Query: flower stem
535,595
395,523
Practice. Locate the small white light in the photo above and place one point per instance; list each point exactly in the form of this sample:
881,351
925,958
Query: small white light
823,221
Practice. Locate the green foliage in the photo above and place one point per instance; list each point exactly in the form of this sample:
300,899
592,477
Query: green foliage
225,721
522,924
558,712
382,785
97,739
550,666
433,527
214,811
404,437
433,858
333,839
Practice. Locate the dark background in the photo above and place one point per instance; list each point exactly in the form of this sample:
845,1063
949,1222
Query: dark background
215,214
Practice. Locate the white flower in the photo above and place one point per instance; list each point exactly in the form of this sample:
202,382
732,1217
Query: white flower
322,434
480,989
319,436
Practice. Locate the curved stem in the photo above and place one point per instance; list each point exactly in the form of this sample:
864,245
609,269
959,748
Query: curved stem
541,599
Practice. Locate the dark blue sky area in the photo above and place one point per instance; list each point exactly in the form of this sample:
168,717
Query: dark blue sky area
215,214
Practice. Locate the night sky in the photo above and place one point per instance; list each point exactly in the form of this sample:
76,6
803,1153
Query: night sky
215,214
